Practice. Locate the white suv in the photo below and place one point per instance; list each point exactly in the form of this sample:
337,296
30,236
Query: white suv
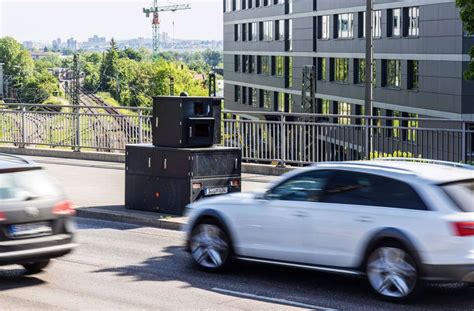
398,221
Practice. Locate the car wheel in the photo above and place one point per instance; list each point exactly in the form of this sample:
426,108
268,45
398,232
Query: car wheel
392,272
210,246
36,267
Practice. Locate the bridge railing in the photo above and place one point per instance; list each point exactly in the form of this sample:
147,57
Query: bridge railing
265,137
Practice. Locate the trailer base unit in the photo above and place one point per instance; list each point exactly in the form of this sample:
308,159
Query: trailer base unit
165,180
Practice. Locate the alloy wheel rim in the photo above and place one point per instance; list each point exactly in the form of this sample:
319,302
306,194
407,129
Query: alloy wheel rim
209,246
392,272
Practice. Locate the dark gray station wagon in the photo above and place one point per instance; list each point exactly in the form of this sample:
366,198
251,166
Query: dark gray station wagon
35,217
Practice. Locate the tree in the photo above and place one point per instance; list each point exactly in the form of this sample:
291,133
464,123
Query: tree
467,16
131,54
108,69
212,58
18,65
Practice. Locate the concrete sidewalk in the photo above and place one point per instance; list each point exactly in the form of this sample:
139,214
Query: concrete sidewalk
97,189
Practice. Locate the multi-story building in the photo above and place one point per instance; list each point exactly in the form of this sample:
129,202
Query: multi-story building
420,52
72,44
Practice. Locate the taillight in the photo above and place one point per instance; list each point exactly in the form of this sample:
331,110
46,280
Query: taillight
235,183
464,228
64,208
3,217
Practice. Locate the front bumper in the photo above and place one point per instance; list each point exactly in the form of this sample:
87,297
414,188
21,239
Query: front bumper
35,249
449,273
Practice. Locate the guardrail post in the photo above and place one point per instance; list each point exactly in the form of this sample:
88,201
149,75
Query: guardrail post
282,141
23,128
140,126
77,147
464,142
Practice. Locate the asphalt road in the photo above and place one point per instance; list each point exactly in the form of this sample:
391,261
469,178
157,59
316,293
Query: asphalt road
125,267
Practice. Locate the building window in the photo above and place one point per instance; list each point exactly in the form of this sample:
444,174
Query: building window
253,32
340,70
237,32
237,64
228,5
395,20
253,97
359,65
376,24
244,95
279,102
258,3
323,27
393,73
289,72
244,32
280,30
413,74
279,66
245,63
278,1
322,68
251,67
244,4
249,4
266,2
237,5
344,109
323,106
289,35
345,26
237,93
412,126
412,16
264,65
267,100
266,31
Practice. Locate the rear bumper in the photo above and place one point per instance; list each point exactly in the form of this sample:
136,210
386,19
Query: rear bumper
35,249
450,273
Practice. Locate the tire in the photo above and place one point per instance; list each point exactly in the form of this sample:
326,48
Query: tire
210,246
393,272
36,267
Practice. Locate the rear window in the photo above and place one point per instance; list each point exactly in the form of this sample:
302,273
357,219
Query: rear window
26,185
461,193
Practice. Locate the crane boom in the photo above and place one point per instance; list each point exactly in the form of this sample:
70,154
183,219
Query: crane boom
154,10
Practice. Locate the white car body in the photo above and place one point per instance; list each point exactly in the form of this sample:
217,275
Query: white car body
335,237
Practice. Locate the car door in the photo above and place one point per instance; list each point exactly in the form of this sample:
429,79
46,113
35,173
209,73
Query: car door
280,222
353,207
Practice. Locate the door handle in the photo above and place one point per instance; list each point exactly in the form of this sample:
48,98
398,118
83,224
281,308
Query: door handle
364,219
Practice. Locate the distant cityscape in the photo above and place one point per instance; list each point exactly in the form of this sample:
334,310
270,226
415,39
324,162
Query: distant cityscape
98,44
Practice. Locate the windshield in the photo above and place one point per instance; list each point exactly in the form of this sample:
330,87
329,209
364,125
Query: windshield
462,193
26,185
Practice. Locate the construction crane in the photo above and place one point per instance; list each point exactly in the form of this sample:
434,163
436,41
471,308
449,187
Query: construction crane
154,11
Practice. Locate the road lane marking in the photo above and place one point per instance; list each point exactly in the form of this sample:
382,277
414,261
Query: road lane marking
270,299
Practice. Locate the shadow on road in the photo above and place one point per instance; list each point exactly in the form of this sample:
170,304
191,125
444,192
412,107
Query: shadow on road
308,287
16,278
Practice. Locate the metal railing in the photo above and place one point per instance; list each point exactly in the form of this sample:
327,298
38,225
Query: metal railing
300,139
265,137
76,127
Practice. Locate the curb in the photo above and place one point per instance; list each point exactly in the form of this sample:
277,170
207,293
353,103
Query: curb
129,218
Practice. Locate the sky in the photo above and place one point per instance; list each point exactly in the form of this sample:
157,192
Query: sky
46,20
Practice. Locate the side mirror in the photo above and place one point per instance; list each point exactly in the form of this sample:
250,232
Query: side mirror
263,195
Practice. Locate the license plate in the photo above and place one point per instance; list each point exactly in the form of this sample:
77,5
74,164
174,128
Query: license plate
30,229
214,191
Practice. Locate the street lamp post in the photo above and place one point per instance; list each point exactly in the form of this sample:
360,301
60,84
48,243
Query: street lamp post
369,90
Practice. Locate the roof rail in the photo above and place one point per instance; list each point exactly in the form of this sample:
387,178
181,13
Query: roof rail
429,161
365,164
14,157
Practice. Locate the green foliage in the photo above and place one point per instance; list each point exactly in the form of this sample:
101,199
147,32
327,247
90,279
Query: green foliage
108,68
131,54
18,65
212,58
466,8
30,81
